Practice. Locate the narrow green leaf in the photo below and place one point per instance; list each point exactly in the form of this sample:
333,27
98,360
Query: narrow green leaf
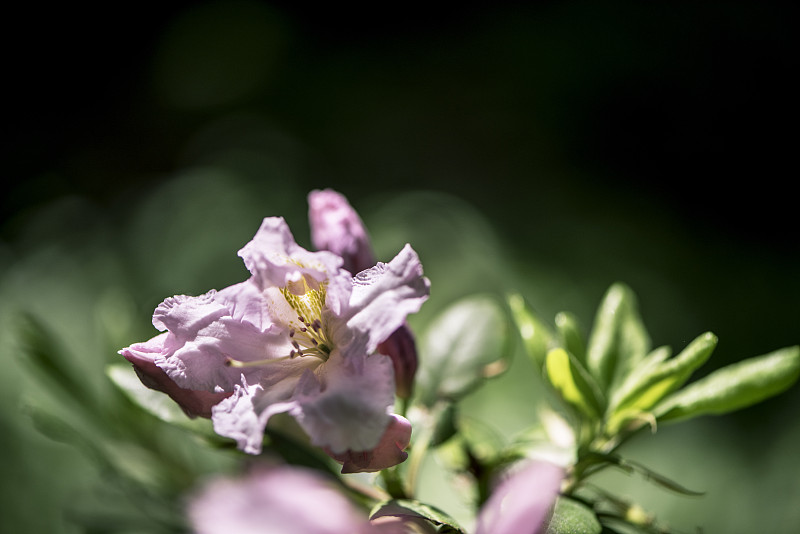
653,379
444,424
573,517
536,337
154,402
574,383
656,478
484,441
570,335
462,346
56,428
733,387
639,375
618,340
44,354
412,509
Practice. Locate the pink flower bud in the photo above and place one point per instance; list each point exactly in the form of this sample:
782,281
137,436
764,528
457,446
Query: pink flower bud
389,451
336,227
193,402
402,349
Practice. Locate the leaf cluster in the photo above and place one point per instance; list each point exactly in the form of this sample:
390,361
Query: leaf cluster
612,383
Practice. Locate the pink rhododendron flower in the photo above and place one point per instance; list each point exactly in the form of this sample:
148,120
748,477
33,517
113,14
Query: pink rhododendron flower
299,336
335,226
279,500
523,502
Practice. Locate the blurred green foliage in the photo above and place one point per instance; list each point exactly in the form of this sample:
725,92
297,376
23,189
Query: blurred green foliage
548,150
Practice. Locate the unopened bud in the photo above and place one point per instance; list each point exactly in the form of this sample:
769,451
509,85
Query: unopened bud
402,349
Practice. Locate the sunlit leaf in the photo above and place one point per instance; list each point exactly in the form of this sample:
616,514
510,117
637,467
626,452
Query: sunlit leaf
654,379
735,386
573,517
574,383
462,346
570,335
618,340
639,375
536,337
552,440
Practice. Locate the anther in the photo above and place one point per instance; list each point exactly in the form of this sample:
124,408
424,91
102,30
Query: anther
291,332
295,345
300,318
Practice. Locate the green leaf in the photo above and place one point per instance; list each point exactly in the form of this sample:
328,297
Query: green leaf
573,517
574,383
653,379
639,376
484,441
463,345
618,340
411,510
570,335
536,337
154,402
44,353
630,466
733,387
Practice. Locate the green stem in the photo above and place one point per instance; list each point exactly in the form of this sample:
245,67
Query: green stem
420,448
394,483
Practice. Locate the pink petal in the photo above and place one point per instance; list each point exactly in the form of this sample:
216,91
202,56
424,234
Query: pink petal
278,500
345,406
206,332
276,260
522,503
383,296
244,415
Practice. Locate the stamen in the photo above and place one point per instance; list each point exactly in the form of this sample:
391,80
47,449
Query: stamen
231,362
308,337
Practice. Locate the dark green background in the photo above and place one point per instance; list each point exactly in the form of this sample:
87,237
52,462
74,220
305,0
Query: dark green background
554,148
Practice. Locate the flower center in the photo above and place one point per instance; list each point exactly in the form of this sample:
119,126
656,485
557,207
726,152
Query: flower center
307,334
